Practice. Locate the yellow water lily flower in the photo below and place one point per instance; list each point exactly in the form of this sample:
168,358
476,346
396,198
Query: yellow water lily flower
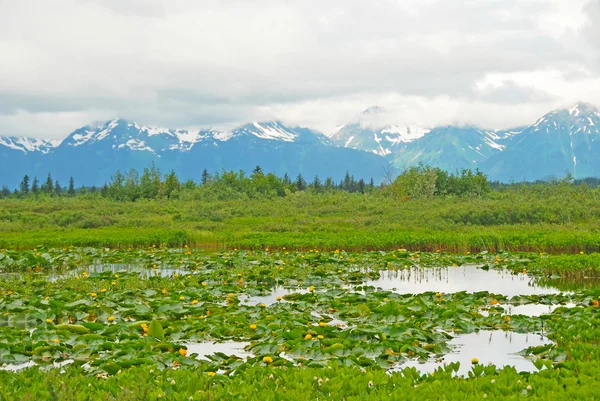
182,351
267,359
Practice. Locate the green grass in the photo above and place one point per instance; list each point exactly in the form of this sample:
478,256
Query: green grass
564,221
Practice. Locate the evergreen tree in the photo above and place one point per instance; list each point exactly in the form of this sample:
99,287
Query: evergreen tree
35,186
205,177
286,179
57,188
93,189
300,183
48,186
71,190
24,186
316,184
347,182
361,186
257,170
5,191
329,184
371,183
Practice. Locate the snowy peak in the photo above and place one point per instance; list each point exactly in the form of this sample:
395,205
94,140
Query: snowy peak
270,130
27,145
373,111
582,108
581,118
370,132
406,133
122,134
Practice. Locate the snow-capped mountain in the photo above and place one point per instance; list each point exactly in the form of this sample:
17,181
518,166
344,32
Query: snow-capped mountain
565,140
369,133
27,145
123,134
452,148
93,153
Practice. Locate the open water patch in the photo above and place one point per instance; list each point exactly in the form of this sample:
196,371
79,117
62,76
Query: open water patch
456,279
205,349
533,310
496,347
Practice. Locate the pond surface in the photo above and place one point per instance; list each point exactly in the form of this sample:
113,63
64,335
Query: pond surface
14,367
228,348
456,279
271,298
529,309
143,271
497,347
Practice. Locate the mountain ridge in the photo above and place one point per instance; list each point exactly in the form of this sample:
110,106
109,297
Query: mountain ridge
562,140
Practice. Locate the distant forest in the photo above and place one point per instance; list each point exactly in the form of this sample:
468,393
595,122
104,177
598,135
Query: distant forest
415,182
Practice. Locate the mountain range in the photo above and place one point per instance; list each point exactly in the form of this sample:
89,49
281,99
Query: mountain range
565,140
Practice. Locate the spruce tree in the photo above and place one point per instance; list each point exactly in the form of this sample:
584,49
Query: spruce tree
71,190
25,185
35,186
205,177
300,183
48,187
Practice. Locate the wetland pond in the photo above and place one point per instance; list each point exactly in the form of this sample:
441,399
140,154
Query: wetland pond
501,347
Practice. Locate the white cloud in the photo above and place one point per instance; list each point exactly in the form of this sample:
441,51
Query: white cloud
216,63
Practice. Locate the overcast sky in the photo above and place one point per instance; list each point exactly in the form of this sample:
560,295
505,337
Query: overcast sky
319,63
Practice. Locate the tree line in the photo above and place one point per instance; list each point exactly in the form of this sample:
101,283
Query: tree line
415,182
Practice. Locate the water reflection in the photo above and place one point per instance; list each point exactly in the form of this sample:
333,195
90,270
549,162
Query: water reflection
529,309
228,348
456,279
489,347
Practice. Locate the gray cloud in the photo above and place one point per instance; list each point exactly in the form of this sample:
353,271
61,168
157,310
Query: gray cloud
510,92
216,63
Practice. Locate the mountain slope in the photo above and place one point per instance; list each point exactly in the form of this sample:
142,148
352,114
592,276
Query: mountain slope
566,140
450,148
92,154
369,133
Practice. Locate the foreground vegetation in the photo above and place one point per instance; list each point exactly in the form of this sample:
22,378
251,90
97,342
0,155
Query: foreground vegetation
126,322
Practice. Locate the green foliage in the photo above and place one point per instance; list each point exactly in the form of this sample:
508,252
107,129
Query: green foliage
126,325
425,182
229,211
